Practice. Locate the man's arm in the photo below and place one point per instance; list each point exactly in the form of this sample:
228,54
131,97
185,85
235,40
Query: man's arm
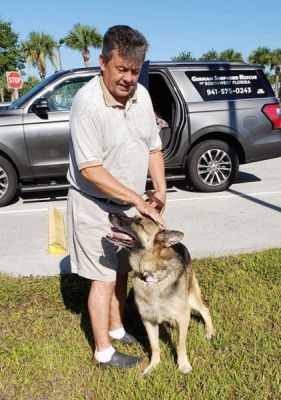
109,185
157,172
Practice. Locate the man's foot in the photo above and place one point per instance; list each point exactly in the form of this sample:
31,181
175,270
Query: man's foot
120,361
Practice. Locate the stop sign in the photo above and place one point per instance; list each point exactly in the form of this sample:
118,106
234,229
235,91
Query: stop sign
14,79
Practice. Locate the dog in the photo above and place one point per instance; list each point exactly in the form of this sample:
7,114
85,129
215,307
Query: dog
165,285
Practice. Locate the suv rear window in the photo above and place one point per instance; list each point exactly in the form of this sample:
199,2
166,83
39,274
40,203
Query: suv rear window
230,85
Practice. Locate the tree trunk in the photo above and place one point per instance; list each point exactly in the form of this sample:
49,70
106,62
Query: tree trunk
42,71
277,80
277,86
86,57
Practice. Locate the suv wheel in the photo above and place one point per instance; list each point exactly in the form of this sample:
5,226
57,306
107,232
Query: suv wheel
8,182
212,166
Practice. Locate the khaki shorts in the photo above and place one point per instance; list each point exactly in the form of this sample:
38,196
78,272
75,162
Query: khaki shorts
91,254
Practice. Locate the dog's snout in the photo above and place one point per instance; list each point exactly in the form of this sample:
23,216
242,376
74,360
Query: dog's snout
111,216
114,218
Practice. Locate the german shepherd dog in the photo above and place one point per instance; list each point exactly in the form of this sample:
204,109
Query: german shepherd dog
165,285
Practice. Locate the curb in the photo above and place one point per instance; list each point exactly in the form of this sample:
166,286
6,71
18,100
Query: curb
57,243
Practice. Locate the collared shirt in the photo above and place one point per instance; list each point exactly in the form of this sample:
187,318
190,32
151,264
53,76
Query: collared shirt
105,132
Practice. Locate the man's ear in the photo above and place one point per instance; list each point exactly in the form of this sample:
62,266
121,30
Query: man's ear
102,61
169,237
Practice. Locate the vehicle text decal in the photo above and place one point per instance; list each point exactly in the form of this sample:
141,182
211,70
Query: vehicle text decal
227,85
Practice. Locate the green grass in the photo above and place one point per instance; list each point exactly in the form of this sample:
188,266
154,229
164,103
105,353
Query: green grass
46,351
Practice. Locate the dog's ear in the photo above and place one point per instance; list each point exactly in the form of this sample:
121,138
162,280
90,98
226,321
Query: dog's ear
169,237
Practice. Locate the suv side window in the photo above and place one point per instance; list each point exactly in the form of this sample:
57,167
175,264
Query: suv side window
60,99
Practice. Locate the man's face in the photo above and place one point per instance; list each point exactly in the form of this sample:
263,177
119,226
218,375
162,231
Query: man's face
120,75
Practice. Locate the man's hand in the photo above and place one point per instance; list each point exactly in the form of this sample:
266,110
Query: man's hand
157,200
148,210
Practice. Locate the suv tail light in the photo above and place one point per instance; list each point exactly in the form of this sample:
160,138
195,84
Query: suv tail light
273,113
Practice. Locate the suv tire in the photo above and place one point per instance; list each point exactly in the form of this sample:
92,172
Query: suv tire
8,182
212,166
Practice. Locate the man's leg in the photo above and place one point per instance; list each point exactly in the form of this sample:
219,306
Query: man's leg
99,303
118,301
106,304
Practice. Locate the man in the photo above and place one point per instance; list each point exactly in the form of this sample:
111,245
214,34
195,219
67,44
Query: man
114,143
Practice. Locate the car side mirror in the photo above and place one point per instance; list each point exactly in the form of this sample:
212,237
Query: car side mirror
40,105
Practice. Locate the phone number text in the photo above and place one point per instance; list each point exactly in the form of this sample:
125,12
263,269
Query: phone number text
224,91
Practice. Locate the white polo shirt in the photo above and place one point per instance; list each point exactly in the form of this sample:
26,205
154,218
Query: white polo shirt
104,132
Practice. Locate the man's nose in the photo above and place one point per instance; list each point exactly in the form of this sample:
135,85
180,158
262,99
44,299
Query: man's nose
128,76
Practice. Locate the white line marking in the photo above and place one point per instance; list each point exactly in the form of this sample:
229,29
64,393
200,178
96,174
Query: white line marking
211,197
28,210
227,196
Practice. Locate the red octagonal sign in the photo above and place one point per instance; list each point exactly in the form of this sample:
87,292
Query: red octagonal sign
14,80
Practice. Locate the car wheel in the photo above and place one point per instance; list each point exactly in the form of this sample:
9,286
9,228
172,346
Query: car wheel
212,166
8,182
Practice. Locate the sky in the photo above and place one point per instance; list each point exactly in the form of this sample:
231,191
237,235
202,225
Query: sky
170,26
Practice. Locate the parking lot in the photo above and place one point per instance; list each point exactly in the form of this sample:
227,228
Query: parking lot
243,219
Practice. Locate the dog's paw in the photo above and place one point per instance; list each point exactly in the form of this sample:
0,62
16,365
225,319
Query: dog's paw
210,334
150,368
185,368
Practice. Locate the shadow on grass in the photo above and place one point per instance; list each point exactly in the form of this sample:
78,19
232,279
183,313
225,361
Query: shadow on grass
75,291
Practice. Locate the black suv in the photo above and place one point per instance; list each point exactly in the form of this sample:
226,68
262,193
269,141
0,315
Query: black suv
218,115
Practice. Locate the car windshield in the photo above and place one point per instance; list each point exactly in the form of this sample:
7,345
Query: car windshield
21,101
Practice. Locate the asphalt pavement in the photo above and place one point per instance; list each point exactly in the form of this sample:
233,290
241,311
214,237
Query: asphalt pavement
243,219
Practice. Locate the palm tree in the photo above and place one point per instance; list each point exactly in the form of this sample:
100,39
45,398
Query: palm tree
275,62
230,55
184,56
81,37
261,56
210,55
37,49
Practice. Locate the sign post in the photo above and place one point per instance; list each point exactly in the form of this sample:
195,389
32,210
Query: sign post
14,81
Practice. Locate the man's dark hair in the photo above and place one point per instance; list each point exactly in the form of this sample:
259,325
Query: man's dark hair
131,44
